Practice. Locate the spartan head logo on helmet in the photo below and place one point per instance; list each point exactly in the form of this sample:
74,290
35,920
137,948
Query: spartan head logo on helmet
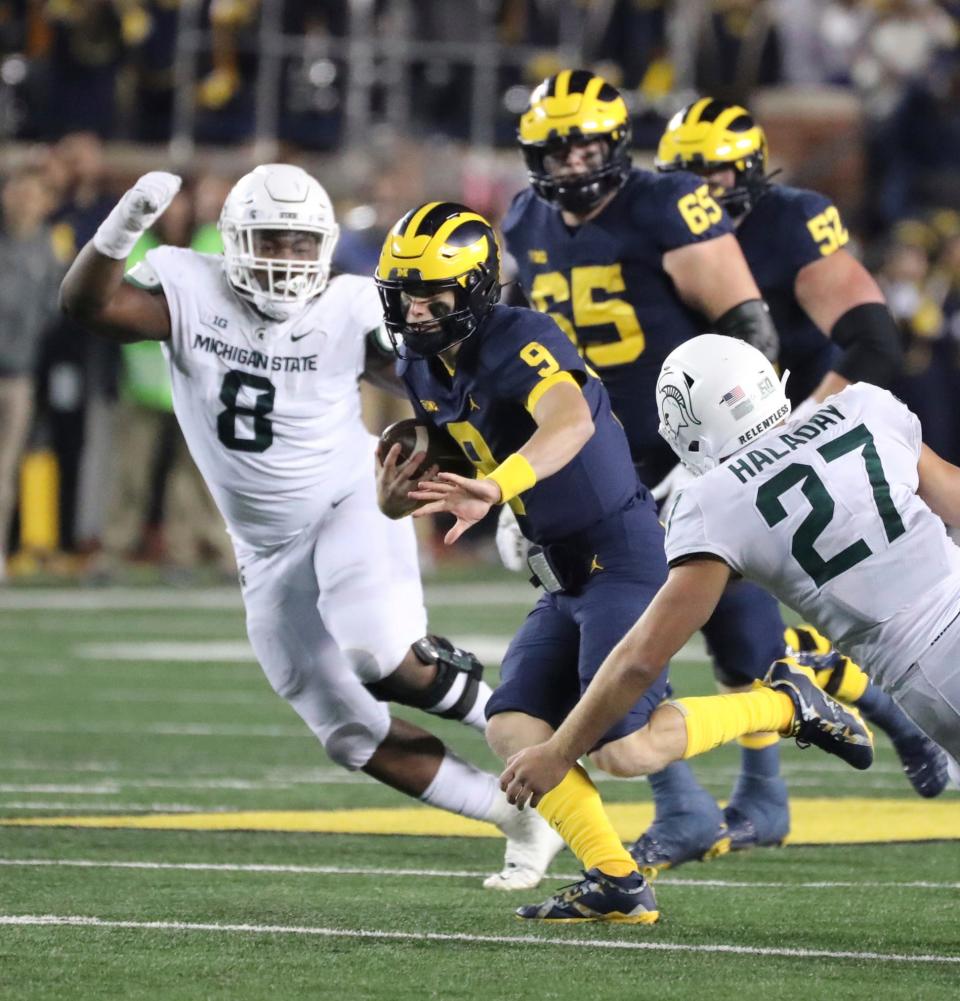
673,401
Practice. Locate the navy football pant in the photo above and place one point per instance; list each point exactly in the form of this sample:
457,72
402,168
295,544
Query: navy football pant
566,637
744,635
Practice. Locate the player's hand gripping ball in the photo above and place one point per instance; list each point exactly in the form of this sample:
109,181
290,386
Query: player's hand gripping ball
415,436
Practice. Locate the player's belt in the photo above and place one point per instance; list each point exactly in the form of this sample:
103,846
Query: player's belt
552,569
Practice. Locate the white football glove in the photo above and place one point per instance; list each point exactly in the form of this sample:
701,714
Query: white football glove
804,410
512,545
136,212
664,492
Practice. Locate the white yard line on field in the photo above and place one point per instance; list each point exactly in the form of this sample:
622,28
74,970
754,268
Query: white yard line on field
83,921
160,729
78,808
340,870
490,648
111,599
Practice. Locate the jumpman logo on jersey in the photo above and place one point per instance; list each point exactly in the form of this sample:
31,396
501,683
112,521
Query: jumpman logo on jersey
595,564
473,403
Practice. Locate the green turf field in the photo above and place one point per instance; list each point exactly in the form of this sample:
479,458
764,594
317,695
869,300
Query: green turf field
145,702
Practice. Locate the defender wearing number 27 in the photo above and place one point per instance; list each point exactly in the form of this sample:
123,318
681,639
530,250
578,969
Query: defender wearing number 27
841,516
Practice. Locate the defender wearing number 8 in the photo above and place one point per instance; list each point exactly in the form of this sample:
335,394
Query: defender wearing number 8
266,349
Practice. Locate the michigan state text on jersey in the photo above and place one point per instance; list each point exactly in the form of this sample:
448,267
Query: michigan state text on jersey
265,351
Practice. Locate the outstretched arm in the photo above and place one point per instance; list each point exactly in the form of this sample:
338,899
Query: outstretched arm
564,426
380,364
680,608
93,291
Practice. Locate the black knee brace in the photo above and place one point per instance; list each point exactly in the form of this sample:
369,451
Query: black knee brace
458,678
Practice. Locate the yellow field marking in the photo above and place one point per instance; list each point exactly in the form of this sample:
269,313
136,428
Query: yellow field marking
815,821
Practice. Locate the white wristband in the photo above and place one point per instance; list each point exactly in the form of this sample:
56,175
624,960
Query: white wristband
136,212
113,239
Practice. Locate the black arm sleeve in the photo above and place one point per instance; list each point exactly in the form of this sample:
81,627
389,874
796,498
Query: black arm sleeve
750,321
871,342
380,365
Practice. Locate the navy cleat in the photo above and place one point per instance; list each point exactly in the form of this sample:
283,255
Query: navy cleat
924,764
818,718
758,814
658,849
598,897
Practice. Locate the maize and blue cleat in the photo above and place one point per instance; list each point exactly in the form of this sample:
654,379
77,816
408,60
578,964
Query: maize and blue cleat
758,814
819,719
660,848
598,897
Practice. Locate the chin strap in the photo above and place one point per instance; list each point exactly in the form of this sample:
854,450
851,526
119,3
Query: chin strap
274,310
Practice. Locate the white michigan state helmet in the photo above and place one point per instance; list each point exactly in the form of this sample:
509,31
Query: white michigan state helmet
715,395
277,196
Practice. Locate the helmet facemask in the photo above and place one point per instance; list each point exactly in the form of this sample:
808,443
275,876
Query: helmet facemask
277,203
474,295
267,281
578,193
750,182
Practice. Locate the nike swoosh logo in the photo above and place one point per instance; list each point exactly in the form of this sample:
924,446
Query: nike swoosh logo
300,337
337,503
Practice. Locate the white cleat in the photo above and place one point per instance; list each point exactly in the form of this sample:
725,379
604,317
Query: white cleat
953,772
531,846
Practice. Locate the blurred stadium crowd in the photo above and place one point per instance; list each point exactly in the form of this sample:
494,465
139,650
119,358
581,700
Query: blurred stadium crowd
389,102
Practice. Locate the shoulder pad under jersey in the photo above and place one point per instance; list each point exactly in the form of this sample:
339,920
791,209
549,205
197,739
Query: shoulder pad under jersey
144,275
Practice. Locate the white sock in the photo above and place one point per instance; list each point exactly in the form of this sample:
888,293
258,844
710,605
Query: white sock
475,715
463,788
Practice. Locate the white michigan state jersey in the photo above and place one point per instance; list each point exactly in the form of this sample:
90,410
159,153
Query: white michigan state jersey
824,514
270,410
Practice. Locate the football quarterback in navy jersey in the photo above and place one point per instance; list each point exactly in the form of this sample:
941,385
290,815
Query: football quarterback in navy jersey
630,264
833,324
535,420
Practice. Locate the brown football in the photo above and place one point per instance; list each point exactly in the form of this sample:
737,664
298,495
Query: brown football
417,436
